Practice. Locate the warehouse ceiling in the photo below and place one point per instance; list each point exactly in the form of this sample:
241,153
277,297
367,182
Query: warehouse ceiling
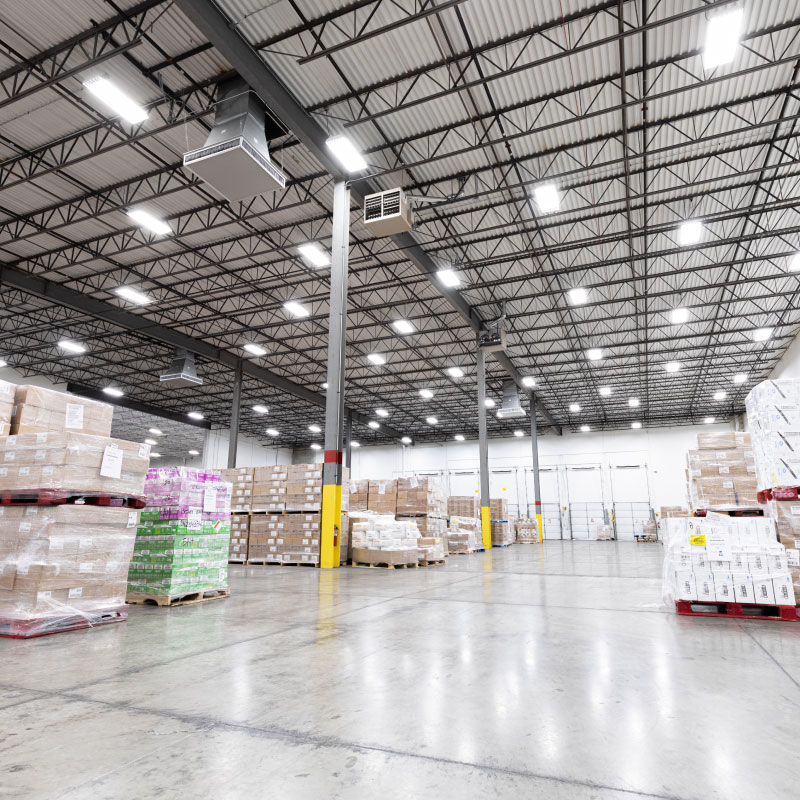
475,102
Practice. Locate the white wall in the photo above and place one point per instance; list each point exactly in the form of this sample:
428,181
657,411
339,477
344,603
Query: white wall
789,365
249,452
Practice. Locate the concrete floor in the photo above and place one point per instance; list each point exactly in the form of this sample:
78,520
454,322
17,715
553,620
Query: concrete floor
528,672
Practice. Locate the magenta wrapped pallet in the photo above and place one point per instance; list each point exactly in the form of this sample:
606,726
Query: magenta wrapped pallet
181,492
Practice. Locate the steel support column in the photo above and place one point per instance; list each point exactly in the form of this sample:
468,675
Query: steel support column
236,403
334,398
348,443
537,494
483,450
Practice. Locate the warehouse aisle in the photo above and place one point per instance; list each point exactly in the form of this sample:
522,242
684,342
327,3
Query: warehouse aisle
524,672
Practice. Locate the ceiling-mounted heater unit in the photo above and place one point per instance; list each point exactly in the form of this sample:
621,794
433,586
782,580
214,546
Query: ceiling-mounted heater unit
182,371
387,213
511,407
492,338
235,158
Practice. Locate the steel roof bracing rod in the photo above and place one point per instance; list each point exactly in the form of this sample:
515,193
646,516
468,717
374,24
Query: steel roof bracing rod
217,27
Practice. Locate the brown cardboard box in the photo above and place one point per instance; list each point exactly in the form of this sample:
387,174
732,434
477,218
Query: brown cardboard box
278,472
463,506
673,511
498,508
723,440
358,494
382,497
40,410
301,472
421,495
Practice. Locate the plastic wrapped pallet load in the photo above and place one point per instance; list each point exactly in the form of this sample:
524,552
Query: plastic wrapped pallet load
284,538
7,391
241,478
721,472
526,530
463,535
382,496
358,495
38,410
463,506
384,541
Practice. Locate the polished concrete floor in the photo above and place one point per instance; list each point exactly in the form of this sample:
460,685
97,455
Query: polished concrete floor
528,672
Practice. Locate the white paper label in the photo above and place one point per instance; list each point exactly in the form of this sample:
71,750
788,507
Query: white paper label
413,482
3,472
132,515
85,566
727,484
85,544
48,470
74,416
76,591
23,471
724,470
194,520
210,499
381,488
40,455
43,595
111,466
56,544
721,454
31,510
144,451
795,510
41,438
9,456
24,527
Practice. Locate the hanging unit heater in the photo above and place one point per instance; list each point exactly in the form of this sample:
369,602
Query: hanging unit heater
511,407
387,213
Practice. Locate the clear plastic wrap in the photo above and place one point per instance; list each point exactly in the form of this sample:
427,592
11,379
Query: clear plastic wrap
526,530
358,495
382,497
421,495
722,477
241,478
382,539
7,391
287,538
431,548
463,506
464,534
72,461
38,410
62,562
718,558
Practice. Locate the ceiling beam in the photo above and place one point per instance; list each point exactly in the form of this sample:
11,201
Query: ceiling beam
257,73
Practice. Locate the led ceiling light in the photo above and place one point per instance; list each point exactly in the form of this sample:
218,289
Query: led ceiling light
374,425
255,349
155,432
133,295
459,437
272,432
148,221
672,366
315,429
315,446
194,452
382,412
690,232
547,198
722,38
594,354
293,307
577,296
314,254
709,420
406,440
761,334
376,358
633,402
426,394
260,409
122,105
529,381
679,315
71,347
3,363
448,278
403,326
455,372
605,391
585,428
431,420
151,442
112,392
346,153
355,444
489,403
195,415
519,433
324,385
740,378
155,455
574,408
636,425
720,395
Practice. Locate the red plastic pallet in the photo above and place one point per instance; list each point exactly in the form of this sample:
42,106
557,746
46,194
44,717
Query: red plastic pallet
43,626
734,512
774,613
779,493
57,497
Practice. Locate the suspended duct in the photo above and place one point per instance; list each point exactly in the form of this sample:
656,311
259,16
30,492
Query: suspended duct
511,407
182,371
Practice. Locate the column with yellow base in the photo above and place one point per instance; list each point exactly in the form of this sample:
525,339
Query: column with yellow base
331,528
486,527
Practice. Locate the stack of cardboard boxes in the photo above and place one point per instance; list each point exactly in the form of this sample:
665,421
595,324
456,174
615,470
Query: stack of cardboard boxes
721,472
463,535
6,406
719,558
63,556
269,489
183,539
358,495
382,497
287,538
241,478
673,511
383,540
527,530
502,525
463,506
240,538
423,500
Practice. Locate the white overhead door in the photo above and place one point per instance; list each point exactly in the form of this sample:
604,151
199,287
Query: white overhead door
503,485
551,501
464,483
585,487
631,497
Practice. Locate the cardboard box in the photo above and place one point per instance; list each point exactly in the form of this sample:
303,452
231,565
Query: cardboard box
783,590
743,588
705,587
382,496
358,495
370,556
39,410
685,585
723,588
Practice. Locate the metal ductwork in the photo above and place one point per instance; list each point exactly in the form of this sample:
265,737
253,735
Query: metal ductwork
182,371
511,407
235,158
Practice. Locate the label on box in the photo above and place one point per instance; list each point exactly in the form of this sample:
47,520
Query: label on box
41,438
793,557
727,484
724,470
413,482
85,566
10,454
144,450
111,466
85,544
381,488
31,510
43,595
720,454
49,470
74,416
39,455
795,510
3,472
194,520
697,539
210,499
56,544
23,471
76,591
131,519
24,527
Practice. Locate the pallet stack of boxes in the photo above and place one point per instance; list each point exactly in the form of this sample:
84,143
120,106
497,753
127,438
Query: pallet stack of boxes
463,524
183,539
721,472
423,501
240,538
526,530
358,495
719,558
241,480
385,541
382,496
6,406
502,525
68,519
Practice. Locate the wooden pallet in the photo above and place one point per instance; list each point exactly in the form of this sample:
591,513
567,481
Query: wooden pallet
436,563
171,600
774,613
527,541
262,562
363,565
464,552
646,538
237,560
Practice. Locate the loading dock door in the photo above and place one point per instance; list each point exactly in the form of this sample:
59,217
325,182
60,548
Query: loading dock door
631,496
585,487
551,501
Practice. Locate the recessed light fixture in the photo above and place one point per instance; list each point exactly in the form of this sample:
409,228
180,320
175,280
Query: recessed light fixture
133,295
382,412
761,334
155,432
431,420
155,455
672,366
720,395
594,354
324,385
633,402
794,263
489,403
315,429
690,232
71,347
298,309
406,440
315,446
113,392
272,432
448,278
260,409
374,425
403,326
151,442
346,153
636,425
574,408
679,315
585,428
376,358
426,394
605,391
578,296
519,433
529,381
547,198
709,420
355,444
194,452
112,96
255,349
455,372
740,378
3,363
459,437
722,38
314,254
195,415
146,220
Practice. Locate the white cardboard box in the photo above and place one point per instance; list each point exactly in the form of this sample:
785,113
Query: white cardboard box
742,587
720,566
723,588
757,564
704,584
699,563
685,585
763,591
783,589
